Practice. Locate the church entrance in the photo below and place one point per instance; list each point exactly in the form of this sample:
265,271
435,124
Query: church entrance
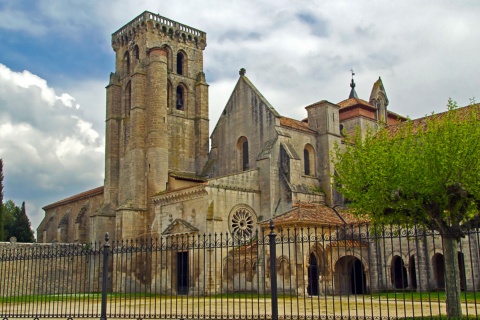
439,270
399,273
350,277
312,288
182,273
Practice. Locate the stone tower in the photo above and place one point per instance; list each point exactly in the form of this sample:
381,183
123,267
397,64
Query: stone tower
156,120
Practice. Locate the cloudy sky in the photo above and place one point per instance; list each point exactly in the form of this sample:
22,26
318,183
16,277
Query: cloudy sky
55,61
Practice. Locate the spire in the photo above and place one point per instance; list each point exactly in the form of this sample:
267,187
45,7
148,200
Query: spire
353,94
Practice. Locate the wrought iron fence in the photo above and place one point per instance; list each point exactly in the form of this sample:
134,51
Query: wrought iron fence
354,271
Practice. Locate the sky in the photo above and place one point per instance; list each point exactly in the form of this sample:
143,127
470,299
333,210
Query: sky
56,57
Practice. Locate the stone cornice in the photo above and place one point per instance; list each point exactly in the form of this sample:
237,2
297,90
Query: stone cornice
180,195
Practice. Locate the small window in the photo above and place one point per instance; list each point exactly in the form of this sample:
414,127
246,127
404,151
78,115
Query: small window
306,163
180,101
126,59
242,147
128,98
180,63
308,160
137,53
245,155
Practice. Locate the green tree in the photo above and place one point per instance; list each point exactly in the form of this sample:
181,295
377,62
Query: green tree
23,230
421,172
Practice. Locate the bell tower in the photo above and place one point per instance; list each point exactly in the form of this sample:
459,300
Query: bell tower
156,119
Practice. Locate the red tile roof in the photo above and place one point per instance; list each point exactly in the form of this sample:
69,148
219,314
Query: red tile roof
354,102
308,214
295,124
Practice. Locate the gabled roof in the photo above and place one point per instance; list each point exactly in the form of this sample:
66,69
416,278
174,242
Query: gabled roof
310,214
179,226
351,102
244,79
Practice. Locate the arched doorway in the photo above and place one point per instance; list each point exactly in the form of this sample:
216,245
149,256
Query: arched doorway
398,273
350,277
412,271
312,288
438,263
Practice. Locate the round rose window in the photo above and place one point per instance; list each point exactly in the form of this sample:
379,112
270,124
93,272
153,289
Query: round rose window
242,223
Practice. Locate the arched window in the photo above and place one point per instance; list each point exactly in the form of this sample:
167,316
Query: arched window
128,98
180,62
169,94
308,160
126,59
180,100
137,53
242,146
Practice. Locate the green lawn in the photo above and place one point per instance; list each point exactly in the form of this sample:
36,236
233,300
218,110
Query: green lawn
470,297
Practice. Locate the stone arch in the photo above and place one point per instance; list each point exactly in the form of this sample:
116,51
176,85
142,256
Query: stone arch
350,275
309,160
136,54
243,153
283,267
412,270
398,273
170,95
126,63
128,98
438,264
228,269
182,63
181,100
169,57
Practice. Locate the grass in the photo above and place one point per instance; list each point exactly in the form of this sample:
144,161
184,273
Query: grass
470,297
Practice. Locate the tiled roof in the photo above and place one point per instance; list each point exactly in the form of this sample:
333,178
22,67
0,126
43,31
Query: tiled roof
186,176
308,214
354,102
422,122
77,197
295,124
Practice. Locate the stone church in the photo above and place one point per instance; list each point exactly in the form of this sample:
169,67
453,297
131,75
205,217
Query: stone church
160,174
161,177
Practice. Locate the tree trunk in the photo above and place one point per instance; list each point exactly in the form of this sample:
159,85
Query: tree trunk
452,277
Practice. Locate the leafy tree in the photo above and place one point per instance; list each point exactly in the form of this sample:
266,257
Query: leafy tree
17,223
23,230
422,172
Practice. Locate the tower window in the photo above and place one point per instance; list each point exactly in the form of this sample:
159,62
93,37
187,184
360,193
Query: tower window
128,98
126,59
181,63
137,53
180,101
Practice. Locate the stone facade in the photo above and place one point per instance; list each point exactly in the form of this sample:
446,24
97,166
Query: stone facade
161,180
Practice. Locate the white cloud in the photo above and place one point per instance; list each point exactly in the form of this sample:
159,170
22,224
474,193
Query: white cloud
49,150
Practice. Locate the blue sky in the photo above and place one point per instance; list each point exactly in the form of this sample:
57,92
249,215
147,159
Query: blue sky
56,57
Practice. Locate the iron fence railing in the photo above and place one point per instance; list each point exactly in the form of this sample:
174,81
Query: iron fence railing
353,271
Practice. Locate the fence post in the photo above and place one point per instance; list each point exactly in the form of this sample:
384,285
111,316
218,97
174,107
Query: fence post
273,271
106,251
